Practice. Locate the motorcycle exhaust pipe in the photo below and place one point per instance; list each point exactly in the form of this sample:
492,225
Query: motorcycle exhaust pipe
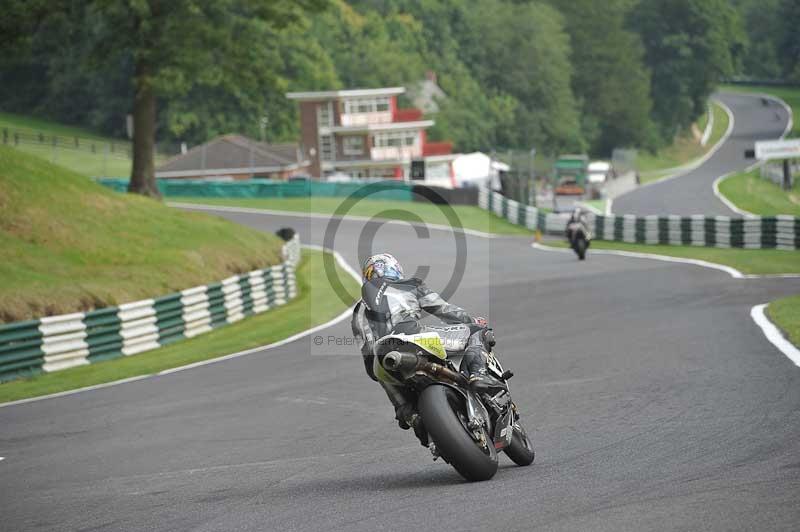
405,362
396,361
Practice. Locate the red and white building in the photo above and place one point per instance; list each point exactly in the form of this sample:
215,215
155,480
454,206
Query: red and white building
363,133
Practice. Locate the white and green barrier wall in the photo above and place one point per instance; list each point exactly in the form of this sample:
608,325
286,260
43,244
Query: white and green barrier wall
60,342
775,232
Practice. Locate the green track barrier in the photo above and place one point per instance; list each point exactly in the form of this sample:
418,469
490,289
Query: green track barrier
60,342
267,188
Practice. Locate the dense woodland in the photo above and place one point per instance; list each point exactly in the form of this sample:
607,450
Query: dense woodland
556,74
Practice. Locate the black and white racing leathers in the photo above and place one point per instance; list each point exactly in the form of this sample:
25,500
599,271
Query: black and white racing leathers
396,307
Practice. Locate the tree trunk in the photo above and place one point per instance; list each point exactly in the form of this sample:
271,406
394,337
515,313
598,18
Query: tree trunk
143,177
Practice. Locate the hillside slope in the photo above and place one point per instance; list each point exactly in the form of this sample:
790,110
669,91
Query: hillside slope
68,245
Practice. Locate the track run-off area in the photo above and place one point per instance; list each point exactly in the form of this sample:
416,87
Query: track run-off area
653,399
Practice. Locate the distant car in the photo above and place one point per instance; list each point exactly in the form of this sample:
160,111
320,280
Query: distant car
598,171
300,177
569,188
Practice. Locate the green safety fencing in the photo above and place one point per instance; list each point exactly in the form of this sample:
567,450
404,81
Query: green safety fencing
268,188
59,342
767,232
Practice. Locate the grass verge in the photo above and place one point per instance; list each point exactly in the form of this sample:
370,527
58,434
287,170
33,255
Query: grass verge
785,313
470,217
790,95
750,192
683,150
70,245
254,331
749,261
599,204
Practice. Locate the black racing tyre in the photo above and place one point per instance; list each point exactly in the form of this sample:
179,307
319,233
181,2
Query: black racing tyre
580,249
440,408
521,449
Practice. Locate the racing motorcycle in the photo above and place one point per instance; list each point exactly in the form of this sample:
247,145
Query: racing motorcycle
465,429
579,238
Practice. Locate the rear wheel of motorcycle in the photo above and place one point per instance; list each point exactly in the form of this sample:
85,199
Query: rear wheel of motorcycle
521,449
443,414
580,249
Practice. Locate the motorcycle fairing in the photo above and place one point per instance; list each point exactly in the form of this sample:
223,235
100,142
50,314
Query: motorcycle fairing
454,337
504,430
429,342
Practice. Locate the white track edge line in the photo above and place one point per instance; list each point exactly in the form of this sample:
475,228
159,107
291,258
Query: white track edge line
733,272
728,203
774,334
344,315
71,392
297,214
693,165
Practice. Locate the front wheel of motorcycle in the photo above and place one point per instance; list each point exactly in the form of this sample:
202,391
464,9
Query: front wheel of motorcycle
521,449
444,416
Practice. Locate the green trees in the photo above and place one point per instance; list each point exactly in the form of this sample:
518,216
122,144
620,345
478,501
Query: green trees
176,49
181,45
610,80
789,42
773,48
561,75
690,46
521,52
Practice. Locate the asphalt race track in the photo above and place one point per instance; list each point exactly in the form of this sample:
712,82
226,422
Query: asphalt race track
654,402
692,193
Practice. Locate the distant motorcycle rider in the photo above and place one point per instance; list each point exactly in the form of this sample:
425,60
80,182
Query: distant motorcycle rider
392,304
577,219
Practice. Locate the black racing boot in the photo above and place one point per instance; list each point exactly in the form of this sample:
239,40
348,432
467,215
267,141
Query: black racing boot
408,418
405,414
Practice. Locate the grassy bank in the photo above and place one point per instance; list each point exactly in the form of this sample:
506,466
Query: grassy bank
92,156
685,149
254,331
750,192
785,313
790,95
749,261
31,124
68,245
470,217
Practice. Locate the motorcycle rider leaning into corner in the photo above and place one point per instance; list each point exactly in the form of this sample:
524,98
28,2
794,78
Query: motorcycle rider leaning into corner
392,304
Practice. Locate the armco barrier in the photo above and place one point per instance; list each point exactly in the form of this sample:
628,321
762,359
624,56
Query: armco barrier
267,188
60,342
773,232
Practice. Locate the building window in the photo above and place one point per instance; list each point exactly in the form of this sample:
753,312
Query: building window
367,105
324,115
326,147
395,138
353,145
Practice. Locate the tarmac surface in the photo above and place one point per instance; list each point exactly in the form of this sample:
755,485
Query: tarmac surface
692,192
653,400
